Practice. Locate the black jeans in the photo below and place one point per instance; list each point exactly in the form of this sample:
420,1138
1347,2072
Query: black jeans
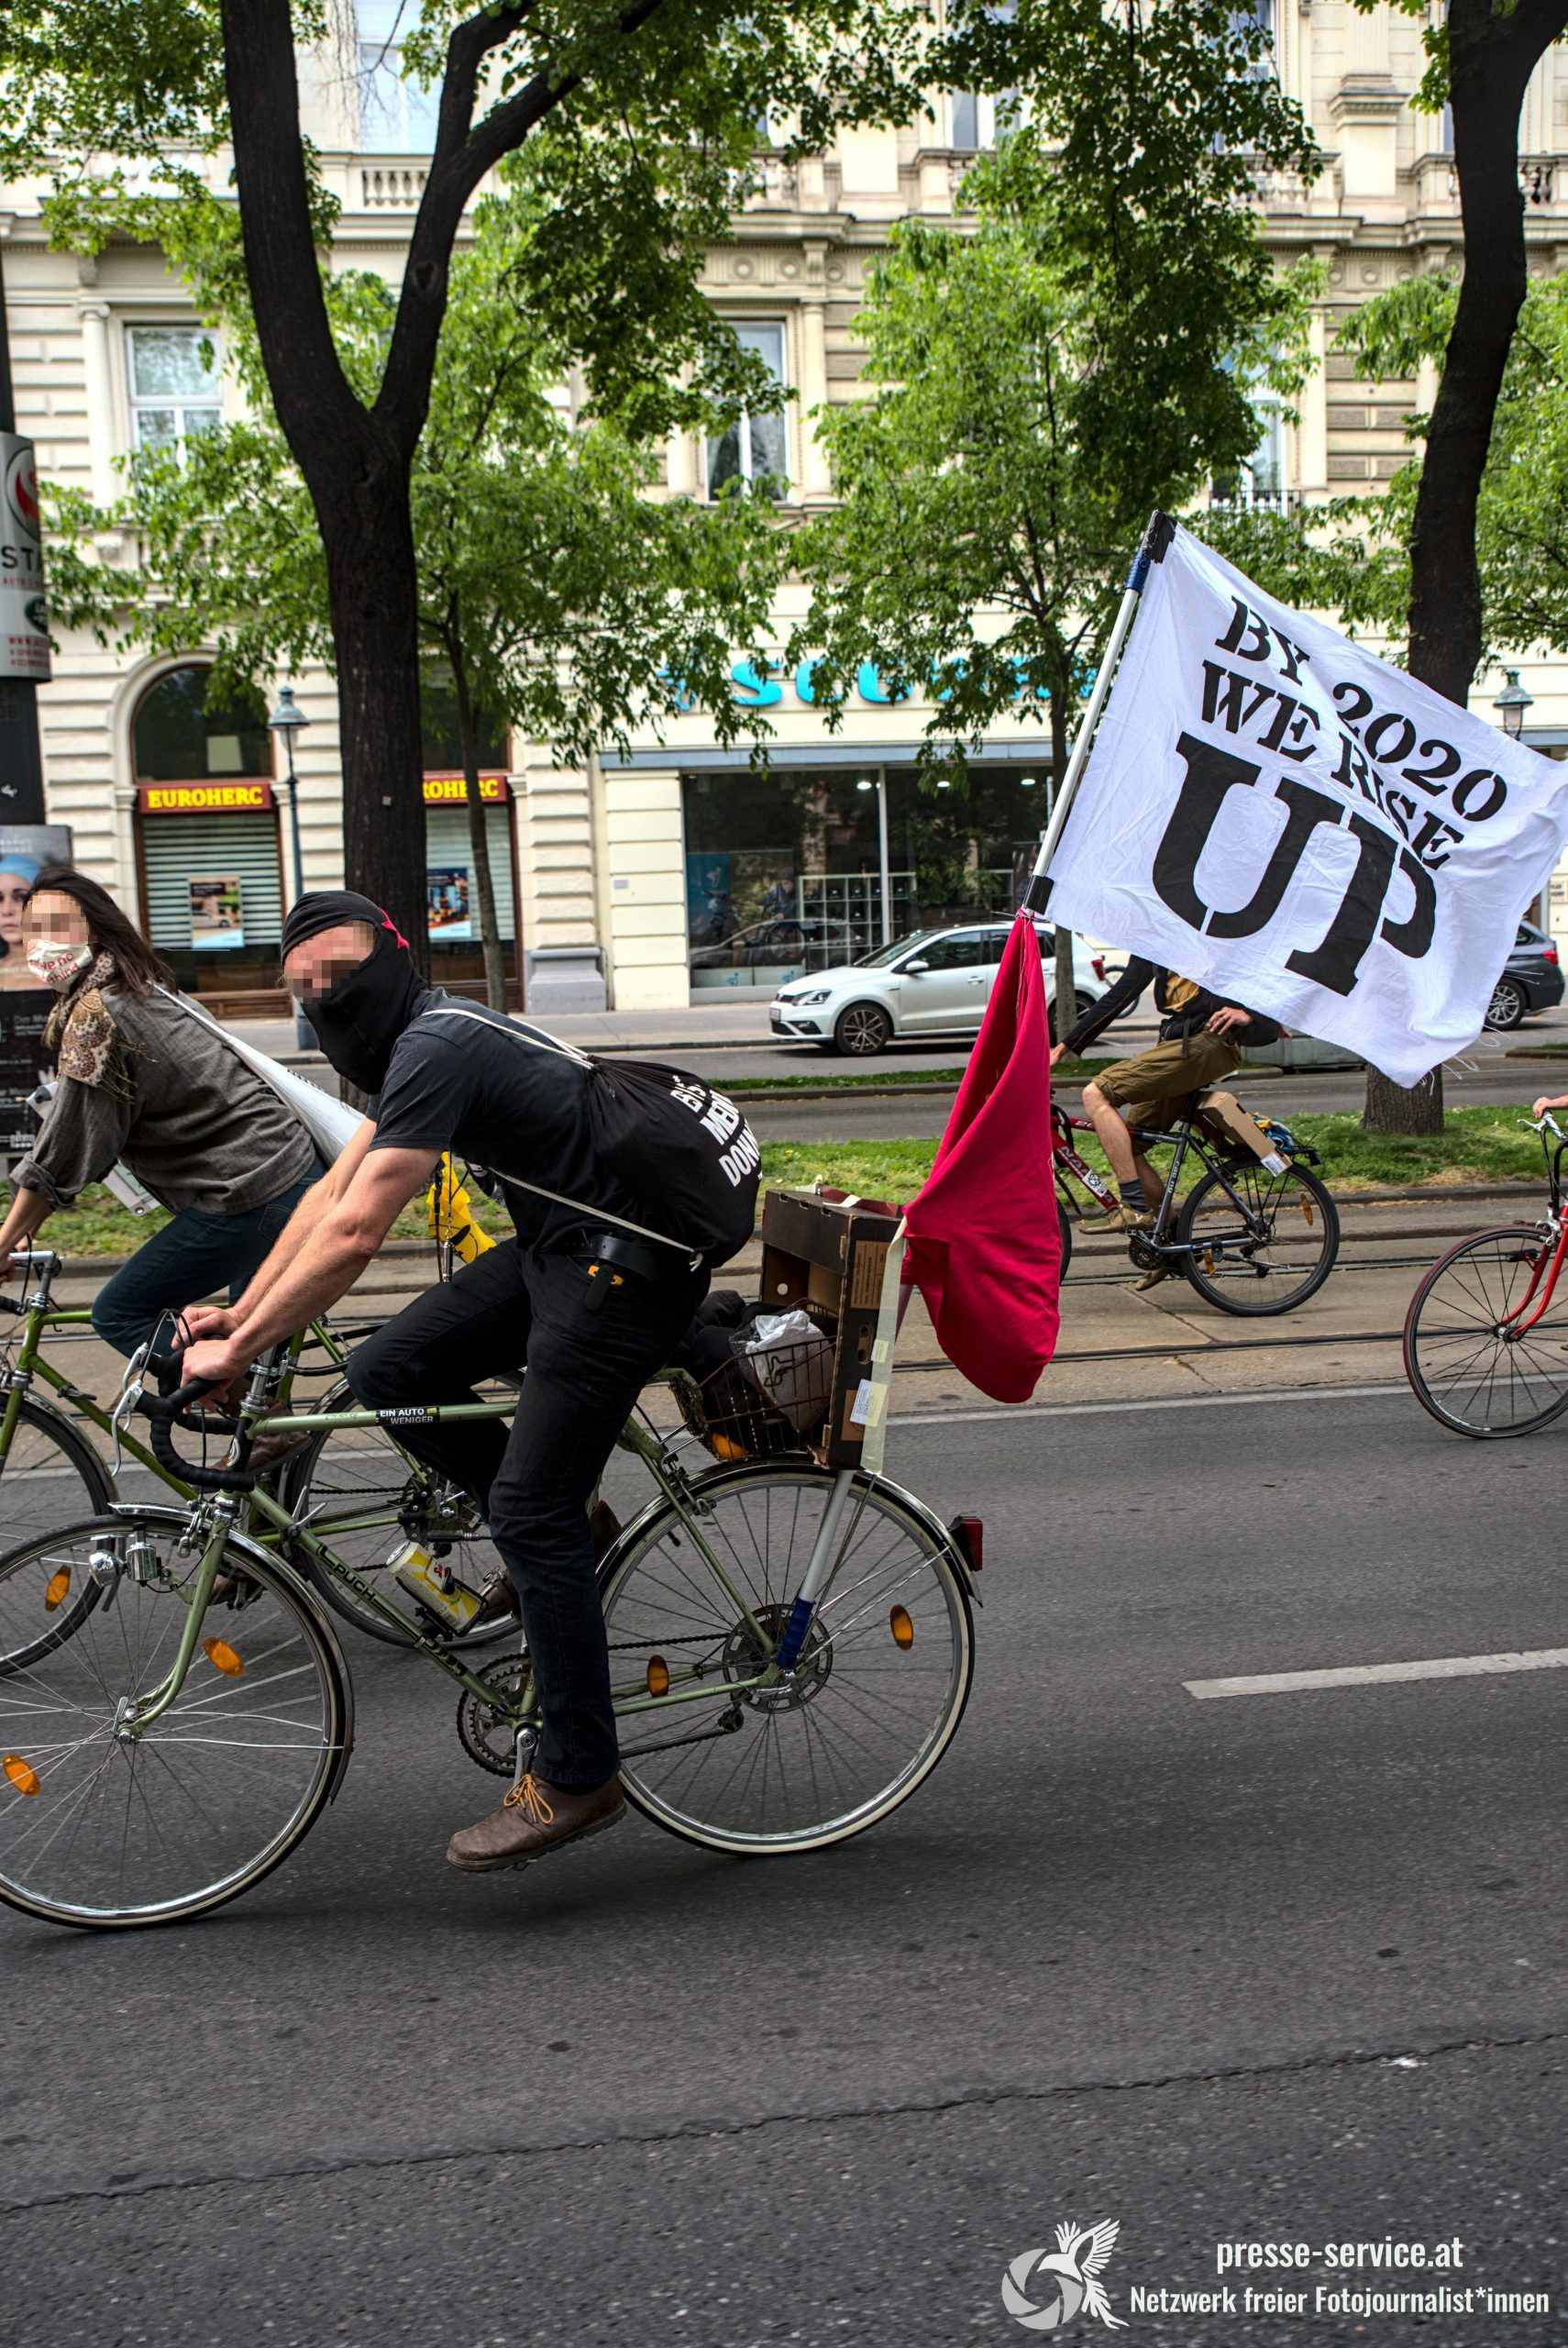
585,1367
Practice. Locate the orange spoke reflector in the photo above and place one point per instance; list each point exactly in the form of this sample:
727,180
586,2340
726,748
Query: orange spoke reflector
221,1657
901,1627
659,1676
1307,1209
56,1588
21,1773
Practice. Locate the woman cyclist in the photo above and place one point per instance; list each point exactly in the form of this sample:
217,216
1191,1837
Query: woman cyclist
145,1083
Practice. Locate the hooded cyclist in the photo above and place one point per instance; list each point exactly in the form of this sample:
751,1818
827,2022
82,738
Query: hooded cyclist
443,1075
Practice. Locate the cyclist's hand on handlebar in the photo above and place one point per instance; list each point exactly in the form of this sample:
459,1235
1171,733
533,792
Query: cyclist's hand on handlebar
218,1358
1546,1101
1056,1052
200,1321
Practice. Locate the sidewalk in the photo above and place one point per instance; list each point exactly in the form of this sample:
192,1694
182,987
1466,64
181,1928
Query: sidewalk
730,1024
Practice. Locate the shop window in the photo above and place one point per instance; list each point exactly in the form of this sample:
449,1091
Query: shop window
186,731
753,450
207,832
174,388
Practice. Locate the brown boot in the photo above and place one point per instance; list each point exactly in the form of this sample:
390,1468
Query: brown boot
535,1819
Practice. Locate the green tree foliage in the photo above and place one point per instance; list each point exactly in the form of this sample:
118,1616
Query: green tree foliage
558,595
1037,383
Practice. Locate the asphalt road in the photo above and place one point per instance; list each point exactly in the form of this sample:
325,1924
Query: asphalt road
1279,1966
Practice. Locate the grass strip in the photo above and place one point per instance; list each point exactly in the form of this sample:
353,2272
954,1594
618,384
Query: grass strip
1475,1146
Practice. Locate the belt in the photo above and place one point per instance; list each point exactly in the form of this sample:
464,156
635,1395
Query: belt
628,1255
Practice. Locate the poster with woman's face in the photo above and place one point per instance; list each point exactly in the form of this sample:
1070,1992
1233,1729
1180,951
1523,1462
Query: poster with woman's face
25,849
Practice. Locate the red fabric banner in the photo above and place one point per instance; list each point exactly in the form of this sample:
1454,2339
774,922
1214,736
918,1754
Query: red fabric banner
984,1247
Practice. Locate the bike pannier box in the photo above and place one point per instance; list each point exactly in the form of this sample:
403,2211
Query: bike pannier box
1234,1120
829,1251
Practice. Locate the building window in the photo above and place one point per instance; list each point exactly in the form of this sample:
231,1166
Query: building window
185,732
174,388
980,118
396,117
753,450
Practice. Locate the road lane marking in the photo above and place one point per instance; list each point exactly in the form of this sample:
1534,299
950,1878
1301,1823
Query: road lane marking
1362,1675
1153,1402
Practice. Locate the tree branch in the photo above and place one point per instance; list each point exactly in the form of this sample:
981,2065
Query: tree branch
455,171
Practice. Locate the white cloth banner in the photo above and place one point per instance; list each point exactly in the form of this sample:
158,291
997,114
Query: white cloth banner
1271,810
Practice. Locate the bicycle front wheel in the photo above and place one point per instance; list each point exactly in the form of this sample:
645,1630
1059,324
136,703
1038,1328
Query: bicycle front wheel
877,1694
107,1828
1468,1359
50,1476
1260,1242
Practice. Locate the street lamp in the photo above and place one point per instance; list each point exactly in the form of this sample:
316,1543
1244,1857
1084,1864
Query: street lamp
286,720
879,783
1511,704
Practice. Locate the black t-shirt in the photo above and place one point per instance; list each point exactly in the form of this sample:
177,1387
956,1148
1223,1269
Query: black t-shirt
477,1087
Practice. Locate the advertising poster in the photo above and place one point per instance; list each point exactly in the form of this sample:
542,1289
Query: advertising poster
218,920
446,890
25,849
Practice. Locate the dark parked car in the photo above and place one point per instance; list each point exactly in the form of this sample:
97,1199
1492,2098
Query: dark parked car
1532,979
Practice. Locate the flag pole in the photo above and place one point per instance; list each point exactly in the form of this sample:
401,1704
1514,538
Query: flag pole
1151,548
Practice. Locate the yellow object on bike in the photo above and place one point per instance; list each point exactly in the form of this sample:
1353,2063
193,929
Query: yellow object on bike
449,1216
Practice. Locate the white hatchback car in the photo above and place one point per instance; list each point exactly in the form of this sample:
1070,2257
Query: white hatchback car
936,984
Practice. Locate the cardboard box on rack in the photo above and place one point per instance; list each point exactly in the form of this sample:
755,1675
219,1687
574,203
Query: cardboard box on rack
830,1250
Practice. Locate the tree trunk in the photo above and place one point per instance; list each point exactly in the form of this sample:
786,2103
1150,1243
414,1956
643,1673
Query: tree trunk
1403,1109
1491,57
368,543
478,842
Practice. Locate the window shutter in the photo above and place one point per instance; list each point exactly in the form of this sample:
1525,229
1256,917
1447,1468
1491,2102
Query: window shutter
176,848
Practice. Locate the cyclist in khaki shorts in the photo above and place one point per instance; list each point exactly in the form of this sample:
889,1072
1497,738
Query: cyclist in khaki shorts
1200,1045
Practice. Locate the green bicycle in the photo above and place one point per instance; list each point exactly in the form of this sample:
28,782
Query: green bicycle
363,1490
792,1650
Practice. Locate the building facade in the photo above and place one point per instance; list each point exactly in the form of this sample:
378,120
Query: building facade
676,870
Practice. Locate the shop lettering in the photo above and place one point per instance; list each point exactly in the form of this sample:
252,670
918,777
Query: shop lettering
755,686
197,799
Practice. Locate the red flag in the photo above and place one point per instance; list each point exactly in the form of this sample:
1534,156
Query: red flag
984,1247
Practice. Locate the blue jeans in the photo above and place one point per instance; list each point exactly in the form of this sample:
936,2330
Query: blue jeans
188,1258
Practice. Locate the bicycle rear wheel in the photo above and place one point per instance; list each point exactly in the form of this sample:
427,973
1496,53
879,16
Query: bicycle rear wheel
1463,1364
1261,1243
109,1830
50,1477
877,1694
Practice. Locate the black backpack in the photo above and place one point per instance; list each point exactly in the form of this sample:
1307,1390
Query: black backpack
675,1142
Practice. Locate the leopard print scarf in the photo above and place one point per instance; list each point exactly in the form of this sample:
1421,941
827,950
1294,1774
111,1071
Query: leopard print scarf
81,1031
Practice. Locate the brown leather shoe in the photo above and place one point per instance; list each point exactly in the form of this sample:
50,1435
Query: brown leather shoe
535,1819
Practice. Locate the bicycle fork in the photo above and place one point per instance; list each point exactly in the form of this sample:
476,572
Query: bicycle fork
818,1571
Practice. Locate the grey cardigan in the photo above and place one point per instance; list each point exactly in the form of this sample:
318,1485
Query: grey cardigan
196,1125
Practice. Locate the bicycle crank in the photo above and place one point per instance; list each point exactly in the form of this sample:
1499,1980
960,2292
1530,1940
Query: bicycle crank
488,1733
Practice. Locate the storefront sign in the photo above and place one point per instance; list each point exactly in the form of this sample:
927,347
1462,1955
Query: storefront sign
451,789
24,616
204,798
764,688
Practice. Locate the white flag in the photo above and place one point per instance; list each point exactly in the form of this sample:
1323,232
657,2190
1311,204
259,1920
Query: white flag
1312,834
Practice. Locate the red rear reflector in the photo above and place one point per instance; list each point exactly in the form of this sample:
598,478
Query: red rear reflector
969,1533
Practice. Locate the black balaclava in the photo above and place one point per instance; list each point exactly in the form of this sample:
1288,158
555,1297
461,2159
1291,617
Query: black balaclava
359,1019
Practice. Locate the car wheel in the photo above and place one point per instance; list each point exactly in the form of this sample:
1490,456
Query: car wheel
1085,1003
863,1029
1508,1005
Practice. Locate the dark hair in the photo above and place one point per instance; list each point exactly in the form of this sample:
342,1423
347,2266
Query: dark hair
111,932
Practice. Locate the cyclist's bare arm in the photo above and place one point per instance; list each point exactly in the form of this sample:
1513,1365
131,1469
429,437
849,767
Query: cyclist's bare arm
29,1210
221,1320
343,1241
